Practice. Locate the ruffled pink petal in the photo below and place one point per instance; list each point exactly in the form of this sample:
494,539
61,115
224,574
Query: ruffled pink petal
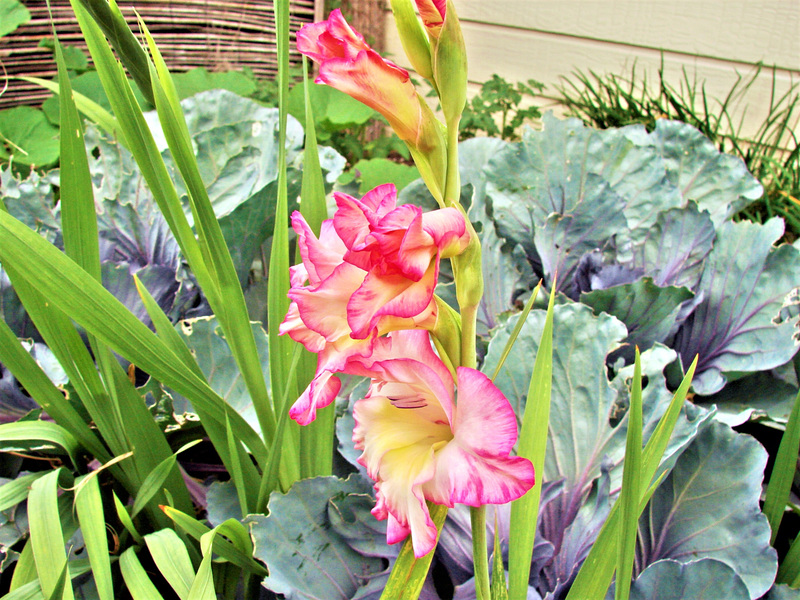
320,256
341,30
380,201
298,275
404,244
483,408
297,330
475,467
467,478
390,295
395,532
409,383
355,221
448,229
333,38
332,358
320,393
352,222
324,308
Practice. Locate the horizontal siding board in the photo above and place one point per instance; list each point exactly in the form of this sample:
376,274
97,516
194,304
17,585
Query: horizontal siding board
738,30
519,55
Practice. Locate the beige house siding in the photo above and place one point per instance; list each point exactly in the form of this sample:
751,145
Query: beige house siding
711,40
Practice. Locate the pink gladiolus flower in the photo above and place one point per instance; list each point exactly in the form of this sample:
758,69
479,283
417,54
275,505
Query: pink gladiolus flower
349,64
372,270
419,444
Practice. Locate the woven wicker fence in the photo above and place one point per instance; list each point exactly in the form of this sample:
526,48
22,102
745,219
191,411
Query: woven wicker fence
215,34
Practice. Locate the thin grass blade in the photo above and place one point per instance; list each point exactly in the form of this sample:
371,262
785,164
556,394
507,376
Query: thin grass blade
165,330
517,328
125,518
156,478
499,589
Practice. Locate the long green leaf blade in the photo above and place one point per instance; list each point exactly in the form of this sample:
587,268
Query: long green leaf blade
231,310
43,431
78,217
136,579
239,553
41,389
631,483
96,113
93,307
532,445
156,478
280,347
172,560
780,481
89,506
125,519
203,584
47,537
595,574
316,439
115,27
15,491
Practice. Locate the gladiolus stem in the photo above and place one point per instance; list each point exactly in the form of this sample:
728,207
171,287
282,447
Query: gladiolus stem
479,559
469,315
452,186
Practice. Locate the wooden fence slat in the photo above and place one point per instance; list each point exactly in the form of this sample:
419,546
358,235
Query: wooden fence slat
215,34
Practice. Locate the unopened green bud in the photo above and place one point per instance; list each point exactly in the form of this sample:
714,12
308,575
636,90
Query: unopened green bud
450,67
413,37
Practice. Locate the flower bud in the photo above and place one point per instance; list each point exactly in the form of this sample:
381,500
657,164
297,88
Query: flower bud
450,67
413,37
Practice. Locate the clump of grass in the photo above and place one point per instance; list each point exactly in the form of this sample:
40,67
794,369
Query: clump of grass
772,153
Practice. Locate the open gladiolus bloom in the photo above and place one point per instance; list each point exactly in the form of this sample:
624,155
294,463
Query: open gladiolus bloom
372,270
419,444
